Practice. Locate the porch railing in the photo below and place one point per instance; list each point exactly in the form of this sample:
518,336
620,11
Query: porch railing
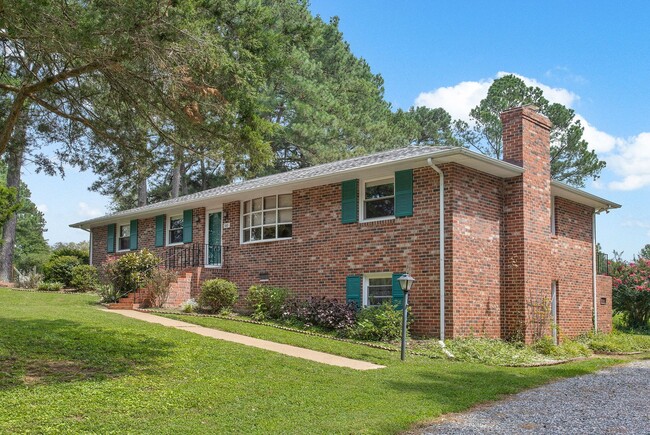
194,255
602,264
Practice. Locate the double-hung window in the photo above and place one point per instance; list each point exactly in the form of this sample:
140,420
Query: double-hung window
124,237
379,199
267,218
377,289
175,230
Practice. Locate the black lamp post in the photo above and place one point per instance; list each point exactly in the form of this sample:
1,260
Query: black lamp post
405,282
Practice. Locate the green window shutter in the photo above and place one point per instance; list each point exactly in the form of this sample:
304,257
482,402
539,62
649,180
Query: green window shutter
349,206
398,294
160,230
110,238
133,236
404,193
187,226
353,289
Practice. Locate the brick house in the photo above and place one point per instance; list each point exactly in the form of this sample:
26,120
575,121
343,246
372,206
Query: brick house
518,251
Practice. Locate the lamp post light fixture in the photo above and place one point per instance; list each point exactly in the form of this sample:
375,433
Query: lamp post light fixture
405,282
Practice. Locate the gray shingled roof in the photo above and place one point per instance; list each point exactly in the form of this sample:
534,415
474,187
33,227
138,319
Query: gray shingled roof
286,178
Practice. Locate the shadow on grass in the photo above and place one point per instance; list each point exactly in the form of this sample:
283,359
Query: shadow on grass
56,351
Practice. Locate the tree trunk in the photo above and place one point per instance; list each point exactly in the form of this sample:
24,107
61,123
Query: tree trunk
142,192
184,189
176,181
15,154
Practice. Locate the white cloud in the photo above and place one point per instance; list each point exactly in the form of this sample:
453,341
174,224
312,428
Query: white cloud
86,211
458,100
42,208
629,159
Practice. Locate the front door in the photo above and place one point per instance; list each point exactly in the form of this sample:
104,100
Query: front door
213,248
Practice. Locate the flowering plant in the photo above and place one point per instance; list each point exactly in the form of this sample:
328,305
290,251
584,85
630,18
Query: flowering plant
631,291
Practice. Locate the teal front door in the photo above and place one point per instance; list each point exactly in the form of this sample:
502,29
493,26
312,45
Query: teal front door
213,249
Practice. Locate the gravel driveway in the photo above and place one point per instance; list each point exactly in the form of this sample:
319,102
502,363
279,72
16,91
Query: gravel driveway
612,401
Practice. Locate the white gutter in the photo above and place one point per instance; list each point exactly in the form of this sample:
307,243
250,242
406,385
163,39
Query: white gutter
594,265
442,247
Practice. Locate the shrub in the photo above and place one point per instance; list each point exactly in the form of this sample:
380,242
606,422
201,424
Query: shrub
108,293
50,286
617,342
631,293
217,294
382,323
321,312
59,269
131,271
29,279
32,260
567,349
84,277
267,301
189,306
83,256
158,287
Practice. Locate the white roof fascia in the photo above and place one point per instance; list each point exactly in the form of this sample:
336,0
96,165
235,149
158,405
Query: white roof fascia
581,197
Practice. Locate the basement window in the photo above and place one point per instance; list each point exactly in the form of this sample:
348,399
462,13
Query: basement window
377,289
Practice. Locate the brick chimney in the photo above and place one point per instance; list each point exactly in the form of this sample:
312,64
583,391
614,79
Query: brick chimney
527,272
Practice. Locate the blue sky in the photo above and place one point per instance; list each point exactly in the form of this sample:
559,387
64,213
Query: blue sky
593,56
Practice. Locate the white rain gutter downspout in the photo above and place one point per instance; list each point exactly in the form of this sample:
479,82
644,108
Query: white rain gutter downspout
442,247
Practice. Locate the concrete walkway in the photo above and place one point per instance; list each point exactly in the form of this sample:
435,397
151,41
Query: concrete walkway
285,349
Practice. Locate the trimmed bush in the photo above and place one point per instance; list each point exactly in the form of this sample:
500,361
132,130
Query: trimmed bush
132,271
84,277
59,269
50,286
321,312
83,256
217,295
382,323
266,301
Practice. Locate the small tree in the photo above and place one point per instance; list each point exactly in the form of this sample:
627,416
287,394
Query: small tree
631,291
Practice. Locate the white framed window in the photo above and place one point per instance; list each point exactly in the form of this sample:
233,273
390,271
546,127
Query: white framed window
378,199
175,230
377,288
124,237
267,218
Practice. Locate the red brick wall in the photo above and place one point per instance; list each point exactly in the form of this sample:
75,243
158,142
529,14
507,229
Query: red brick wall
474,199
572,254
604,290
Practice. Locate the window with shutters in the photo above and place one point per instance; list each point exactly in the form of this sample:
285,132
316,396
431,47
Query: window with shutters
267,218
377,289
175,230
123,237
378,199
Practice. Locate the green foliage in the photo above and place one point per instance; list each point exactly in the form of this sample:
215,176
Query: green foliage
108,293
131,271
631,292
645,252
483,351
381,323
189,306
266,301
617,342
431,127
566,349
84,277
83,256
8,203
571,160
217,295
51,286
60,269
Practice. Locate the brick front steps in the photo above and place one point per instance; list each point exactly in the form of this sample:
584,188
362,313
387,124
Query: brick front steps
179,292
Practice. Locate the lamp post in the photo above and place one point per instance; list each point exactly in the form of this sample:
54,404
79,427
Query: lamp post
405,282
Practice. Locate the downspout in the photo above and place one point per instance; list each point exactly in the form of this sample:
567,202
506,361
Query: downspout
442,247
594,264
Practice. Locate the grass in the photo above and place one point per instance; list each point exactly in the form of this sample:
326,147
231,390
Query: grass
66,367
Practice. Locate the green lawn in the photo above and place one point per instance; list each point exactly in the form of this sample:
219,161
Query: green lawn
67,367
